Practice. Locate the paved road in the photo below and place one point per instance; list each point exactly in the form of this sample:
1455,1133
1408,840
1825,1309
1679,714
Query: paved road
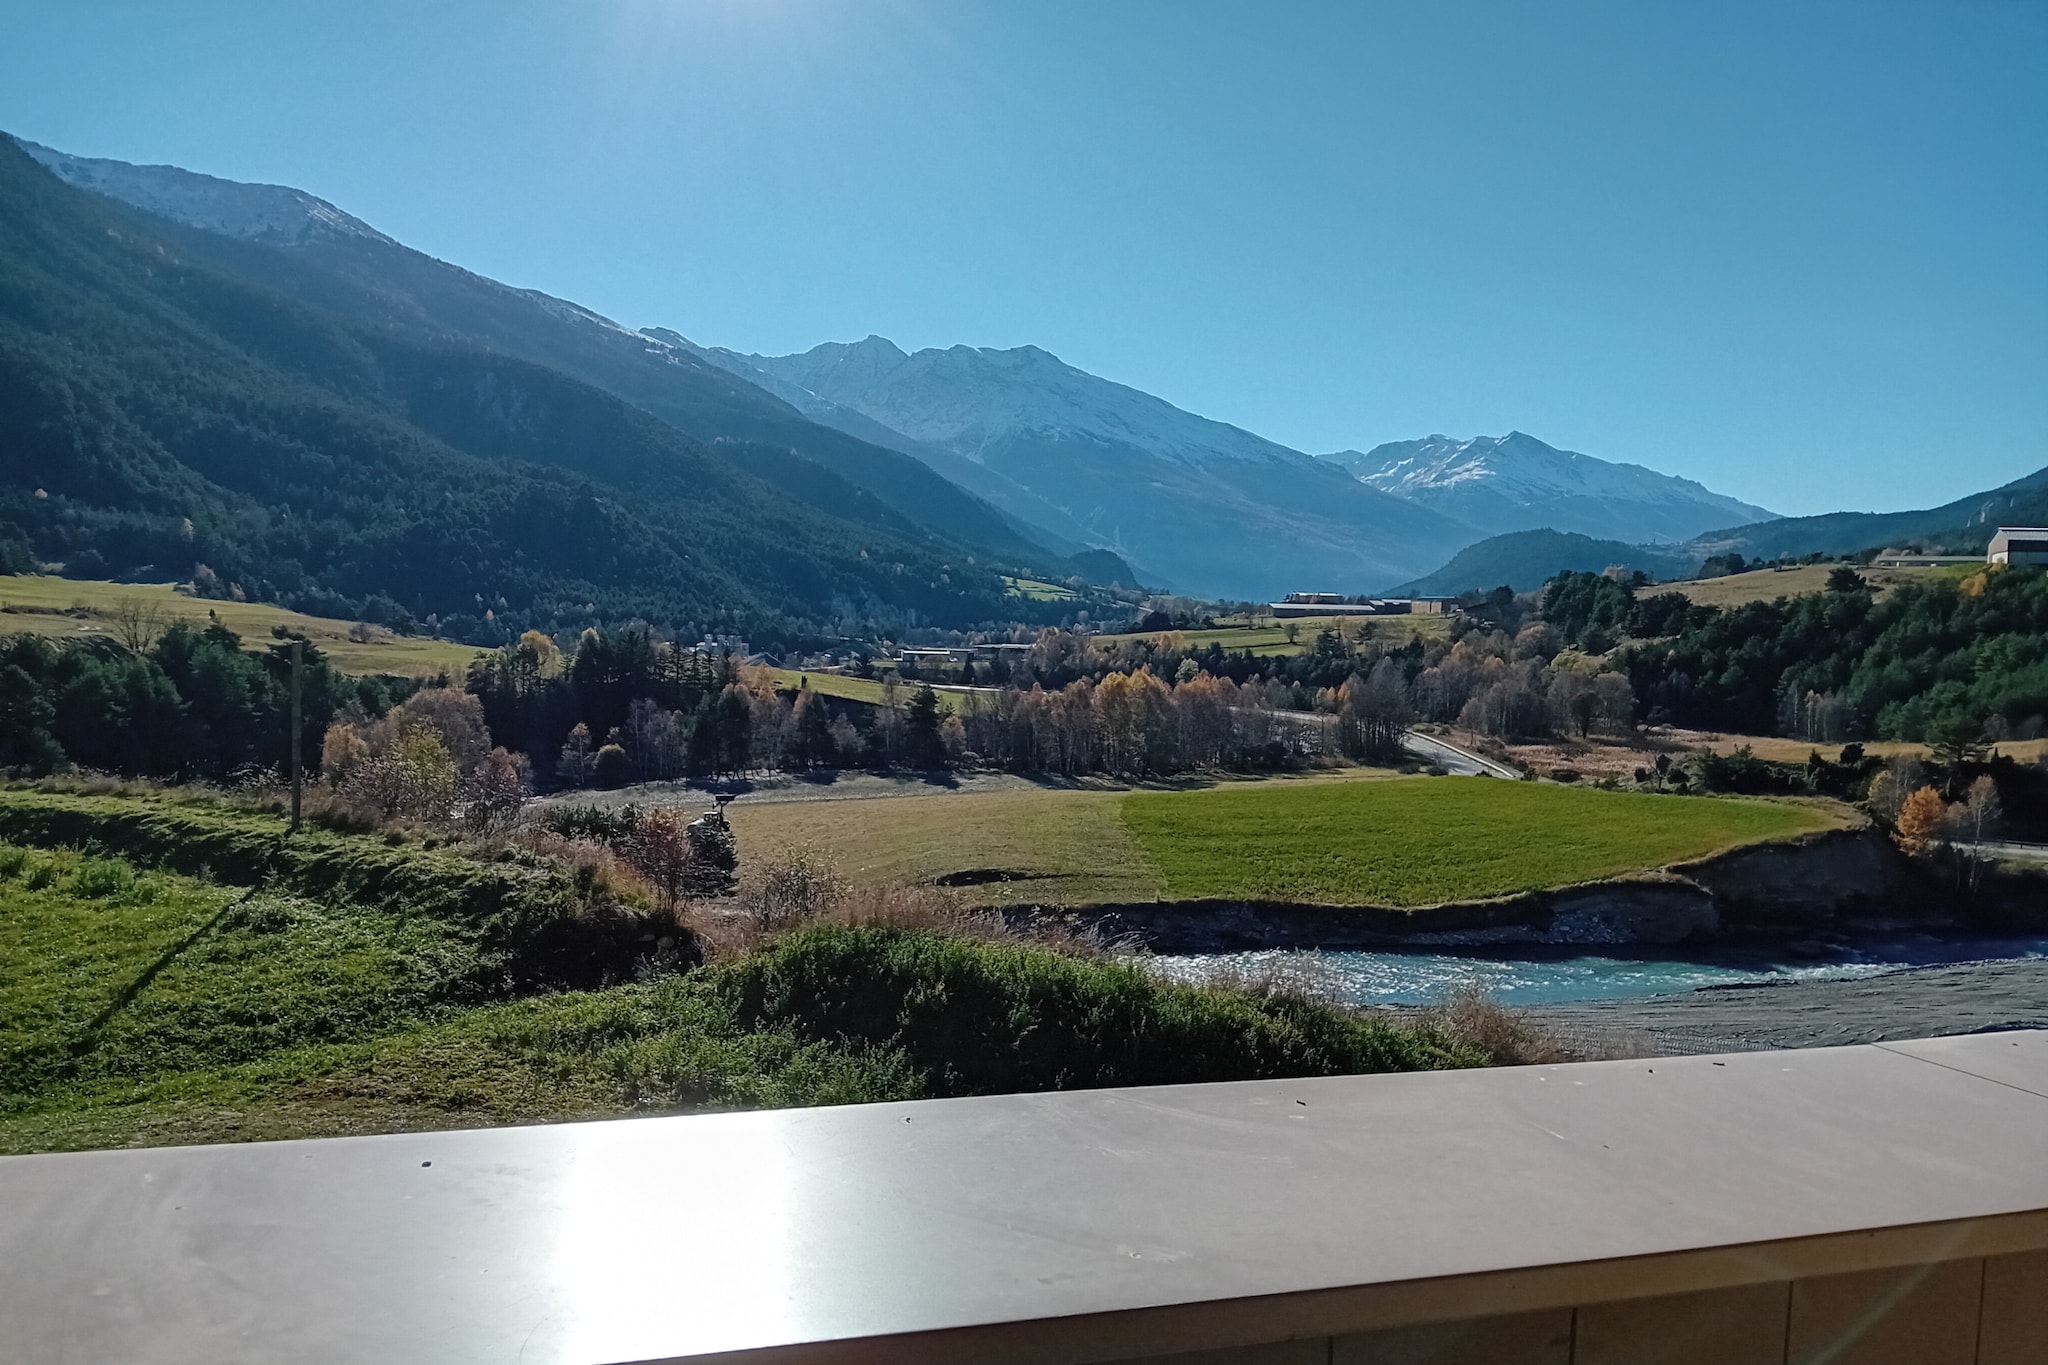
1452,759
2011,849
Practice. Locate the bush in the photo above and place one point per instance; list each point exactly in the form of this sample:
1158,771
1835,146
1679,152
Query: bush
612,769
532,929
12,861
592,823
100,878
980,1018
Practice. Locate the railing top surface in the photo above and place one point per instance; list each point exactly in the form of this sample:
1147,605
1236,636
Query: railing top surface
664,1238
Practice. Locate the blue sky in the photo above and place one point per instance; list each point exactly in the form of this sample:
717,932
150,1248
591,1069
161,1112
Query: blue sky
1795,251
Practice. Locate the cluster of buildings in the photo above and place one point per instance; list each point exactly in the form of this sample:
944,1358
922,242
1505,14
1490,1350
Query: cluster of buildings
961,654
1336,604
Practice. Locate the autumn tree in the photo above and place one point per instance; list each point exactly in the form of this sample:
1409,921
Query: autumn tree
660,850
578,758
496,790
411,778
1922,825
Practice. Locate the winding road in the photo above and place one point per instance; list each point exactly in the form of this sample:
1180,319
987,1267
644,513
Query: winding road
1454,760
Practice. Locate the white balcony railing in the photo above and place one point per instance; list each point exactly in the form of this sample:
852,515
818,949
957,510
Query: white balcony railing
1881,1203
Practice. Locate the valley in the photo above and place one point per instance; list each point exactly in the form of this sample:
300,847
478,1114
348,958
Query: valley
1021,765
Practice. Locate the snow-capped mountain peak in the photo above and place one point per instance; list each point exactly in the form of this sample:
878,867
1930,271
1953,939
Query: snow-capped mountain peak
965,397
265,213
1517,482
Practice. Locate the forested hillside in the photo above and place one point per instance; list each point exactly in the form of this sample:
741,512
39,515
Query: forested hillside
308,251
160,416
1523,560
1964,526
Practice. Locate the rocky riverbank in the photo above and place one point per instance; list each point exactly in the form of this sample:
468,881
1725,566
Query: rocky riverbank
1816,885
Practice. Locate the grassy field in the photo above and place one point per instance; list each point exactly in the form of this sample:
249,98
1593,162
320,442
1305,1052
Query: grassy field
1378,841
358,985
1049,847
65,608
1268,638
1764,585
1037,590
1424,841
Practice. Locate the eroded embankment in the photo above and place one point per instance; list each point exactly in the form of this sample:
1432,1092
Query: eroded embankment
1791,886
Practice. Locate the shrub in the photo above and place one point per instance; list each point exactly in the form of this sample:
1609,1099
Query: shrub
795,887
100,878
660,850
40,875
531,928
611,768
987,1018
593,823
12,861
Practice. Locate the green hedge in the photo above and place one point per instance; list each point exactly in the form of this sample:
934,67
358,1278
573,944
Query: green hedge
984,1018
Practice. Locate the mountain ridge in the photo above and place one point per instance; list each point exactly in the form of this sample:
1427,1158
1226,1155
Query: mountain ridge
1519,482
1211,508
181,419
343,267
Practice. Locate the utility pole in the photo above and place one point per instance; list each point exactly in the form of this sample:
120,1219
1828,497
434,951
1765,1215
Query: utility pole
298,692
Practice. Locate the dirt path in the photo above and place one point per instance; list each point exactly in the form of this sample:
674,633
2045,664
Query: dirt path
1919,1002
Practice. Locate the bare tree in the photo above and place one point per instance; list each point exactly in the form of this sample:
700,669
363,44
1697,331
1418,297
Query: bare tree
1977,819
138,624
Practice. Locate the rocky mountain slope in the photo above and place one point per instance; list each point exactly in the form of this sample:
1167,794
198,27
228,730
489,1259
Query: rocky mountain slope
319,256
168,416
1208,507
1518,483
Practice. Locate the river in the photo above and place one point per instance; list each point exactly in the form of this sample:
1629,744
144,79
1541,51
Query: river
1528,975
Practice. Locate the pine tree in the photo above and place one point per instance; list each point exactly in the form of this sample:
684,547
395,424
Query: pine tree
921,730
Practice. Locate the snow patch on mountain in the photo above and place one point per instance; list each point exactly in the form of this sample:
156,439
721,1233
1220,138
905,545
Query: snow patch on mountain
263,213
1517,482
967,397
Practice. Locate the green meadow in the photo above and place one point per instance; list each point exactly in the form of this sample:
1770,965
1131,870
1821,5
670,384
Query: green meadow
176,971
1427,840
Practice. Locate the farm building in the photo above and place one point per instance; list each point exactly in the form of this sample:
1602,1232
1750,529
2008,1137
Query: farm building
960,654
1336,604
2019,545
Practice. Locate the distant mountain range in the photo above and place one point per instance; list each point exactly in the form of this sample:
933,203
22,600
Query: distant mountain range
1525,559
967,460
321,257
311,413
1206,507
1517,483
1210,508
